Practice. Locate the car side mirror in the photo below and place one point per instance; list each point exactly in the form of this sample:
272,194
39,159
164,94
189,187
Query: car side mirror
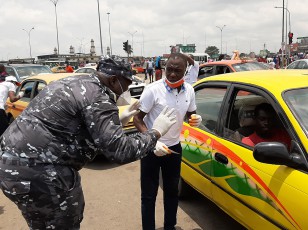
277,153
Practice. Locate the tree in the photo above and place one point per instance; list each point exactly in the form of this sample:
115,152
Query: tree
212,50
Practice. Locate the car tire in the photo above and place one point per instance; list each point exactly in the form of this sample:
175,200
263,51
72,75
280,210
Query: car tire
184,189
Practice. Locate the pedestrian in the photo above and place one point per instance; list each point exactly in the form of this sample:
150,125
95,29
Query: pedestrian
150,67
192,70
158,69
68,68
144,67
179,95
7,90
61,130
3,73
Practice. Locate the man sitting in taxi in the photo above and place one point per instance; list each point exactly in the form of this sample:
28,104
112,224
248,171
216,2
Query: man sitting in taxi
265,130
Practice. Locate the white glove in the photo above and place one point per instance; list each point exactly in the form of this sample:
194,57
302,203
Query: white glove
21,94
160,149
129,112
195,120
164,121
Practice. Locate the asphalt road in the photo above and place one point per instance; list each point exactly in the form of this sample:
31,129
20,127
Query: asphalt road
112,195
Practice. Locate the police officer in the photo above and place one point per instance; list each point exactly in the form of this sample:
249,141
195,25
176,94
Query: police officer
61,130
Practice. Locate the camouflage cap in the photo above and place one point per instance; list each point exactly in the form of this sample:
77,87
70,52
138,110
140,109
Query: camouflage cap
112,67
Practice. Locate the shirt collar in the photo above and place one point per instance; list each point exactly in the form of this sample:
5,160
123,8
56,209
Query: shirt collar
169,89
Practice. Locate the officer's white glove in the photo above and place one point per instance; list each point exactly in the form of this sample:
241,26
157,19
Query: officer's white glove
195,120
160,149
129,112
164,121
21,94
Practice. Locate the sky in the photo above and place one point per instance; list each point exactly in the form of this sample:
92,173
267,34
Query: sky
151,27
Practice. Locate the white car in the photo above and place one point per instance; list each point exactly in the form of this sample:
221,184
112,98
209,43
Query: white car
86,69
299,64
136,88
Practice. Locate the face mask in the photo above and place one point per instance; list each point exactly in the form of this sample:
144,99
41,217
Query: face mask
124,98
176,84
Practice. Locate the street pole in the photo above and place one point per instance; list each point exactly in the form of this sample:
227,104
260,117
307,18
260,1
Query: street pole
100,29
109,34
132,34
282,43
221,28
29,33
55,2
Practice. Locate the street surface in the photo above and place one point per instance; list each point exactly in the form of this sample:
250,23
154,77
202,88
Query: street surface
112,194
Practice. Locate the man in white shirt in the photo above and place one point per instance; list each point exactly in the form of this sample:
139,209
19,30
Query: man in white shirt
7,89
150,68
175,93
192,70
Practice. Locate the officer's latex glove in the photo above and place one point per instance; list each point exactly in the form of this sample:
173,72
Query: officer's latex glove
21,94
164,121
160,149
129,112
195,120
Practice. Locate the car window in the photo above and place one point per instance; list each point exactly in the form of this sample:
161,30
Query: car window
302,65
89,70
27,89
249,66
27,71
242,122
292,65
209,102
81,70
39,87
219,69
205,71
297,101
10,71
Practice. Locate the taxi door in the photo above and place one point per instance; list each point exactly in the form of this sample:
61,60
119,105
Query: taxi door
258,195
196,168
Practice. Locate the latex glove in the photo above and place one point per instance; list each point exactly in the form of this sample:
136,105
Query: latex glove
164,121
21,94
160,149
129,112
195,120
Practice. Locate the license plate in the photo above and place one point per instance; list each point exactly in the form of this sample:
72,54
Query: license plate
137,90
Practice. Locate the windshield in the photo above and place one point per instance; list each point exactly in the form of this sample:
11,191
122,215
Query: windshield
28,71
297,101
249,66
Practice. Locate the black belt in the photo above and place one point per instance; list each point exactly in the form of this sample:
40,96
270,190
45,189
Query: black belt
8,159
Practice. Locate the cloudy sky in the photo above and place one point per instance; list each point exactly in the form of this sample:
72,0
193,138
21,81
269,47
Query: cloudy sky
249,25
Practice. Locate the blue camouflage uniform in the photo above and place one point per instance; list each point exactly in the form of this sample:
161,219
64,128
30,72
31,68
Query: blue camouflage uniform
62,129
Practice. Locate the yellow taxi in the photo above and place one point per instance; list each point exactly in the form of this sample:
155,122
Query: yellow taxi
262,186
33,85
58,69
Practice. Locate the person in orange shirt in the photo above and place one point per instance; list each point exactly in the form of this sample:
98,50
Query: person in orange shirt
265,130
69,68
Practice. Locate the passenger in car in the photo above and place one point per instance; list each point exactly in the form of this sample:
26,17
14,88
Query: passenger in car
265,129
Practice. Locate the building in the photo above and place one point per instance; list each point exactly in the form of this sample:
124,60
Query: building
75,59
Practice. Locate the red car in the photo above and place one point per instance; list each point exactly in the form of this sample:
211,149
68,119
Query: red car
138,69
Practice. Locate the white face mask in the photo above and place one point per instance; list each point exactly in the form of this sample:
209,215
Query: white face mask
124,98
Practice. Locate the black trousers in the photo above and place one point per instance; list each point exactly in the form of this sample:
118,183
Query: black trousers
3,121
170,166
48,196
